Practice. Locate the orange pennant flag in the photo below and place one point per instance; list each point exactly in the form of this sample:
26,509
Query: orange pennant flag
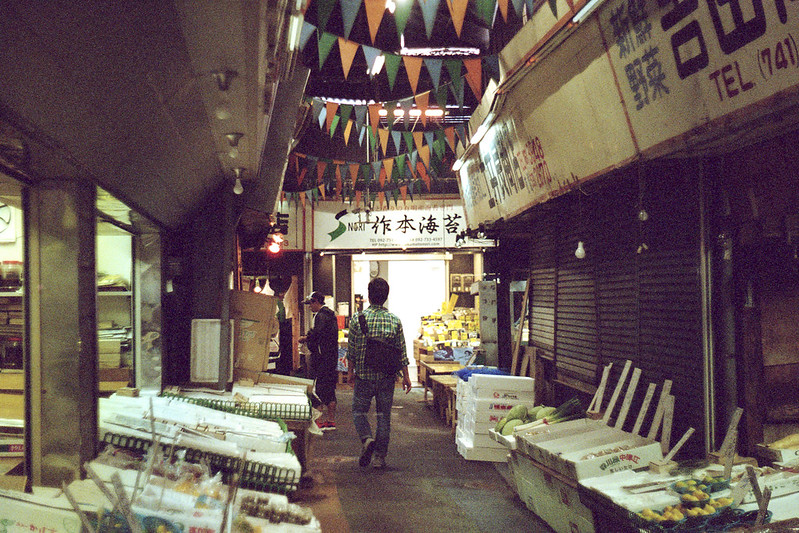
418,140
383,176
388,164
404,192
358,195
474,75
347,50
413,66
322,190
383,134
331,108
410,166
450,133
381,198
374,15
338,178
347,131
424,153
423,174
421,103
503,8
302,199
374,116
457,10
301,175
354,172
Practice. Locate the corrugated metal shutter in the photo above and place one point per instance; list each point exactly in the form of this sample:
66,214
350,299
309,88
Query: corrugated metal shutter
575,313
542,289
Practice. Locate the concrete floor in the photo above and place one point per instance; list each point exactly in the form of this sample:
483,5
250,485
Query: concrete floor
427,487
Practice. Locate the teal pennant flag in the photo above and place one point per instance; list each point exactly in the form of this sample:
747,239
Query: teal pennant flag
349,10
434,70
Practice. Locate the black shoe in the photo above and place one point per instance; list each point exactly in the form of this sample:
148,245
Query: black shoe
366,452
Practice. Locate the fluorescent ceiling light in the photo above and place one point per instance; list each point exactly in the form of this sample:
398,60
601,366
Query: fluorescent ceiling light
295,22
457,166
482,129
586,10
415,112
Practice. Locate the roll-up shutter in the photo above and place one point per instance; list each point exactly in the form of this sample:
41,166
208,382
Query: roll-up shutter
575,313
542,278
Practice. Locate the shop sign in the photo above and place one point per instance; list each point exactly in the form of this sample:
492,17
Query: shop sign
433,226
635,79
688,63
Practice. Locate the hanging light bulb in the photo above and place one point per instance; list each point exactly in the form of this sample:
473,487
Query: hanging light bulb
274,247
643,216
233,139
238,188
258,287
579,253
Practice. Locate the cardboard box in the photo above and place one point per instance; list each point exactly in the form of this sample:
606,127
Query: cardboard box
641,452
254,323
774,455
109,346
494,386
475,453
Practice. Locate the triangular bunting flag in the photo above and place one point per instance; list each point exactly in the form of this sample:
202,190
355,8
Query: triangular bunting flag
334,125
322,115
429,137
326,42
485,10
338,177
404,192
421,105
305,33
422,172
331,108
345,110
372,140
383,133
406,105
361,135
503,9
323,10
358,195
401,14
377,166
457,10
424,153
365,172
530,5
381,198
491,66
474,75
382,177
321,167
433,67
353,172
374,15
349,10
322,191
347,131
396,136
302,198
391,107
518,6
408,137
301,176
392,67
374,116
413,66
429,11
457,91
460,129
360,116
418,137
370,53
347,49
412,160
441,96
454,70
388,165
400,165
450,134
316,107
439,147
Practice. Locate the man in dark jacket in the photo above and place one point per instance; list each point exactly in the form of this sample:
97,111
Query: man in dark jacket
322,341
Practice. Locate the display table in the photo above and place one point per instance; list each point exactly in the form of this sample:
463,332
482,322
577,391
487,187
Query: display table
443,386
429,369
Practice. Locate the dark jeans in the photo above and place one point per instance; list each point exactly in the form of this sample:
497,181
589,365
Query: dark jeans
382,390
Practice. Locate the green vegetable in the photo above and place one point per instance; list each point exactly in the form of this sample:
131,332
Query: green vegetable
510,424
533,411
544,412
518,412
500,424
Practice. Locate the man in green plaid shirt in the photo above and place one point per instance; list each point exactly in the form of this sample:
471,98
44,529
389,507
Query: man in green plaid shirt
369,383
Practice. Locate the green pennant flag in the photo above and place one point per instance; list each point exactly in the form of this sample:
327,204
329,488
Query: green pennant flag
401,15
336,120
392,67
365,172
399,165
439,147
408,137
395,194
372,140
485,10
390,118
454,70
345,110
323,10
326,42
441,96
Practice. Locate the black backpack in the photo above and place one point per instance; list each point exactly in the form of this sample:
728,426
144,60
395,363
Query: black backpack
380,355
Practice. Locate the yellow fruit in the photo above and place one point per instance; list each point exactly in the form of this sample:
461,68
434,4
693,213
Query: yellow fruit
690,498
709,509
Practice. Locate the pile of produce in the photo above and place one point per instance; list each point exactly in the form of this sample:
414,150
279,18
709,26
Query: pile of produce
520,417
786,443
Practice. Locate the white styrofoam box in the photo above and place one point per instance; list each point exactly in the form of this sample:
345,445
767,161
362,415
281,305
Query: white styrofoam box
469,422
36,512
640,452
474,453
553,431
549,452
490,404
485,385
509,441
479,440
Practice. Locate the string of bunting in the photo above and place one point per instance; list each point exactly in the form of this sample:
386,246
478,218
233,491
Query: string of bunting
329,115
376,9
455,67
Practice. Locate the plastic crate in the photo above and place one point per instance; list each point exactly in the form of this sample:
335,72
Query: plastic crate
262,410
256,476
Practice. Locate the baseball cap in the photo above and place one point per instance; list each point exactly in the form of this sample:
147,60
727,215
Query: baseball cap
314,296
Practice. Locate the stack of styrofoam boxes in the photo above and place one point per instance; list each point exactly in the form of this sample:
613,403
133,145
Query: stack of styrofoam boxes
481,402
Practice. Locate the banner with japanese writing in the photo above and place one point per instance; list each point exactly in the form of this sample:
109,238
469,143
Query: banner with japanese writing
340,227
689,63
